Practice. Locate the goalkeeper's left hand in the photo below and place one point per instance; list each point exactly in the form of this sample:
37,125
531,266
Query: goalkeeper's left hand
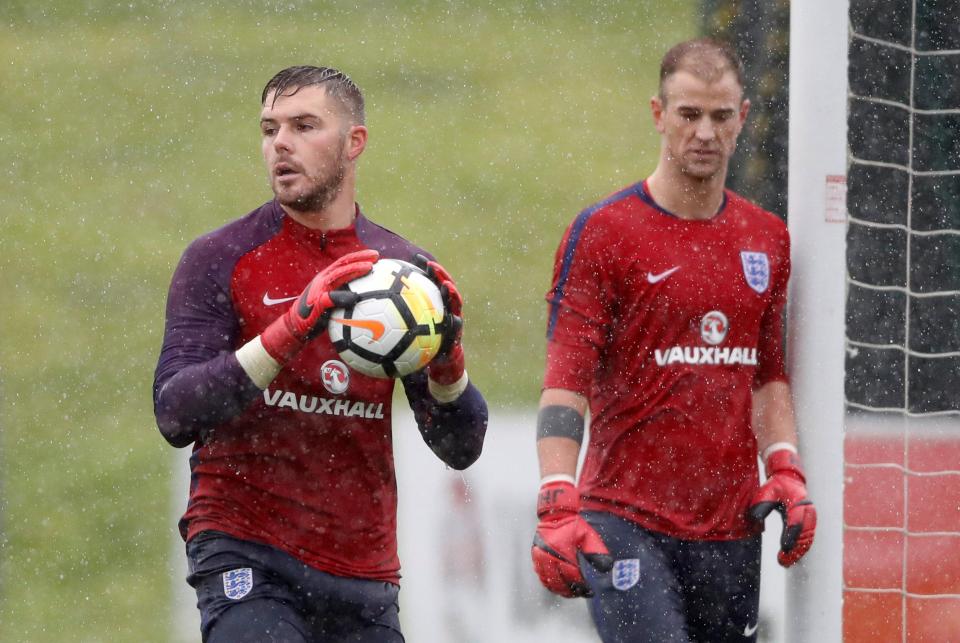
447,368
562,536
786,491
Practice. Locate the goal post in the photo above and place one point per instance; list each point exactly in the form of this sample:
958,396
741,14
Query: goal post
874,302
816,309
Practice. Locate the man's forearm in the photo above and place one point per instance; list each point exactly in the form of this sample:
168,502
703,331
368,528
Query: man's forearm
773,418
454,430
201,396
560,423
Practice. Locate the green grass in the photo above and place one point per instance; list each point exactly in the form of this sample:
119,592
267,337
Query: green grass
129,130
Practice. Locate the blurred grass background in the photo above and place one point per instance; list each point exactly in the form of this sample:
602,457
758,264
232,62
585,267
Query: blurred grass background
126,130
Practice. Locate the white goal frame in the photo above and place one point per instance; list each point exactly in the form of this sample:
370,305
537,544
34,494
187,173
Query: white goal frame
816,308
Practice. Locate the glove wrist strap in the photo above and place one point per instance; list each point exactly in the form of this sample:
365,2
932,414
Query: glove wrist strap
785,461
559,496
279,341
447,369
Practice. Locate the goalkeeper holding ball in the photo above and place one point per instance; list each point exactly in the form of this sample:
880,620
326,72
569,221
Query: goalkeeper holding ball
666,322
291,521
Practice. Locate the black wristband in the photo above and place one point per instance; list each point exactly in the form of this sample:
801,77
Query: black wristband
558,421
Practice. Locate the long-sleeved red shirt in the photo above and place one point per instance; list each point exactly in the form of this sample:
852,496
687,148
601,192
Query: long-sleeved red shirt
306,465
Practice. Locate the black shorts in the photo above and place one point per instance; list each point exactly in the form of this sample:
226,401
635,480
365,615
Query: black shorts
252,592
665,589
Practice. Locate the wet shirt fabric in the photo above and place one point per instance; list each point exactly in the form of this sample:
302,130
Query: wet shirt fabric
305,466
667,326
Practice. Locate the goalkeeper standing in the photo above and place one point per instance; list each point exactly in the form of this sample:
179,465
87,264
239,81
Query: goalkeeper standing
666,322
291,523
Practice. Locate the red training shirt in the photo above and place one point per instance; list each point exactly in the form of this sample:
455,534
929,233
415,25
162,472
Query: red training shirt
305,466
667,326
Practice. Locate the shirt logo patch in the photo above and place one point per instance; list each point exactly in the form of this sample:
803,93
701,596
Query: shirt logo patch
237,583
335,376
625,573
756,268
654,278
270,301
714,327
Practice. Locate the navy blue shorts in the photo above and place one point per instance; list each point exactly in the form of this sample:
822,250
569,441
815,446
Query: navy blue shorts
665,589
249,592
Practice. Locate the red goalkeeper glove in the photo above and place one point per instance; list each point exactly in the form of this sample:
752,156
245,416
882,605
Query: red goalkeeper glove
307,317
561,535
448,365
786,491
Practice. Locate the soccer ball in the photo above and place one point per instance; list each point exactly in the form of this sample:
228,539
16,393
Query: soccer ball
396,327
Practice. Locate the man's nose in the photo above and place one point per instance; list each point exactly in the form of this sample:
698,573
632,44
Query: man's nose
283,140
705,129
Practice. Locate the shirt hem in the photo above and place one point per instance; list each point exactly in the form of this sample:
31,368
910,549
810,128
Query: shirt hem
197,527
663,526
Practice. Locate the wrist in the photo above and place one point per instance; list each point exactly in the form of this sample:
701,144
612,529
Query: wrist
557,477
776,446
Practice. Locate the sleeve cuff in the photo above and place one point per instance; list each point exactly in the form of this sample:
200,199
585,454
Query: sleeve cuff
446,393
259,365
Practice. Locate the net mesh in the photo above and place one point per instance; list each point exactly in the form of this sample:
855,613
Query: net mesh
903,241
902,447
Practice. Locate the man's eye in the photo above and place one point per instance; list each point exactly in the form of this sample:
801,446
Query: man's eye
268,131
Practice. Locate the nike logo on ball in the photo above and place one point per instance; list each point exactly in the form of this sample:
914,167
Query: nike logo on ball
270,301
652,278
376,328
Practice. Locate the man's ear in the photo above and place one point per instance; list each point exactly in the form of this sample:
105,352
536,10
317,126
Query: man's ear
356,141
656,109
744,110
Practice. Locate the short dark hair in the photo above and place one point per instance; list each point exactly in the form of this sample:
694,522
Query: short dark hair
336,83
705,58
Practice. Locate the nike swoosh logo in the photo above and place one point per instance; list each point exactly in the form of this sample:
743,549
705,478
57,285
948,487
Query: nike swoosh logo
270,301
748,631
376,328
652,278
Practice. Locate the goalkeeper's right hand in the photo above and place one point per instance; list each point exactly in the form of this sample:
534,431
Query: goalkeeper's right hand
561,535
308,315
447,367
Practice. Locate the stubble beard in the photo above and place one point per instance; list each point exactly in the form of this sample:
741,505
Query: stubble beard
322,191
702,172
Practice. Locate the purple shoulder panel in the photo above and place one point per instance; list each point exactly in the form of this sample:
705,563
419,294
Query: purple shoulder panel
197,375
389,244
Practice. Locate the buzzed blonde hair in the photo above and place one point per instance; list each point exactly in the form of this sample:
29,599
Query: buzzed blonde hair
706,58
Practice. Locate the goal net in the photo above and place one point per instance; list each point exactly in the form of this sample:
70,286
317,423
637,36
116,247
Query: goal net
901,518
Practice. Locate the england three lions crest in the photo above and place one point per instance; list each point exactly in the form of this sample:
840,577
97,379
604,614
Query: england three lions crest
625,573
237,583
756,269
